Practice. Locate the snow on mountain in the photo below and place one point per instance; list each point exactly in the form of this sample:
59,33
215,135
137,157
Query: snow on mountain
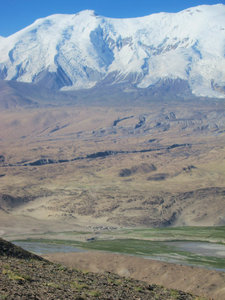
82,50
1,39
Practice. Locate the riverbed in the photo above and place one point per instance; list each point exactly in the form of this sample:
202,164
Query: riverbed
201,254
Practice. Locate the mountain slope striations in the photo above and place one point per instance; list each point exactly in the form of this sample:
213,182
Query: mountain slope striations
83,50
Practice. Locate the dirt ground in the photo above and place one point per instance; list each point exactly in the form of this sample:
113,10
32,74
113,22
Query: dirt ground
101,165
199,281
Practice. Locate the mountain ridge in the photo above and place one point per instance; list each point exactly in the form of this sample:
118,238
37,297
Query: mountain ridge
81,51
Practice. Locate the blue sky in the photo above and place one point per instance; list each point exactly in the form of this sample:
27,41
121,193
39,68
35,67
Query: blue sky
17,14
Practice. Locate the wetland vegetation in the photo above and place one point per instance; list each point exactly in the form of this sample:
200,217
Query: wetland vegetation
199,246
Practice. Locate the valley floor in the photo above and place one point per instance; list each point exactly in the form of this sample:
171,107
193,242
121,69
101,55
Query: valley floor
150,251
25,276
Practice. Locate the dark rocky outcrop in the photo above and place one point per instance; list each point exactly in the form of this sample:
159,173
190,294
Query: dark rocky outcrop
178,145
158,177
40,162
189,168
120,120
8,201
143,168
2,158
141,122
101,154
125,173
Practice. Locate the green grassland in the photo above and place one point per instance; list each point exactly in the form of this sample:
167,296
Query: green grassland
153,243
210,234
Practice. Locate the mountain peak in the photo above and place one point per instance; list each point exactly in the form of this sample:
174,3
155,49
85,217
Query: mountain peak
87,12
79,51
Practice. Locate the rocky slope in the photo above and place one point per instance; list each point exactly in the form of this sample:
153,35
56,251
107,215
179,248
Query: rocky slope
199,281
25,276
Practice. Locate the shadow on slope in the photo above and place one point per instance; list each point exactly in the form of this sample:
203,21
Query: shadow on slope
10,250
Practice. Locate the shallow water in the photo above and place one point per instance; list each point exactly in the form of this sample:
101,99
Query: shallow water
45,248
197,248
202,248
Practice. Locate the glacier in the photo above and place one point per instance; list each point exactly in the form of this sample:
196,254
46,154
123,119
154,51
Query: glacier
84,50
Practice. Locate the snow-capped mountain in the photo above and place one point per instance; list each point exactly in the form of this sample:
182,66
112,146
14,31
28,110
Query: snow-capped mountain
70,52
